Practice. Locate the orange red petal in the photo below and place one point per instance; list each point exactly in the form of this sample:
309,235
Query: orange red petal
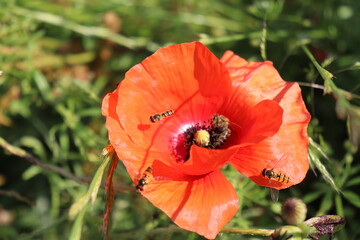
286,151
204,160
202,204
135,158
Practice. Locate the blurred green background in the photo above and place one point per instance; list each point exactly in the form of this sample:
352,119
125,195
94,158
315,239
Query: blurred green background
60,57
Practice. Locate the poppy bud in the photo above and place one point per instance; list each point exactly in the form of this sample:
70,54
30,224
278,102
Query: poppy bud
293,211
326,224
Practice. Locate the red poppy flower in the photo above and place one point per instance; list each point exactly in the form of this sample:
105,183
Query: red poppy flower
210,112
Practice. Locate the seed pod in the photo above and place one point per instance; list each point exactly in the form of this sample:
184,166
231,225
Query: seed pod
293,211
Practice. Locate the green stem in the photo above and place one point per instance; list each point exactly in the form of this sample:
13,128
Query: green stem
205,39
330,86
259,232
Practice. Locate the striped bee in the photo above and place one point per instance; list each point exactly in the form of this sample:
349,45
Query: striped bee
277,176
157,117
144,179
271,174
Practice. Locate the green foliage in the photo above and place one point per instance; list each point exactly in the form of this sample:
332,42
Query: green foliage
59,58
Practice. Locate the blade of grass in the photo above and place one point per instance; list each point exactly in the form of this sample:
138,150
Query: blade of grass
75,233
92,191
131,43
324,172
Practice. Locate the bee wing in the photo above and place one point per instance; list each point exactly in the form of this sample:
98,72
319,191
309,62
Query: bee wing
276,165
274,193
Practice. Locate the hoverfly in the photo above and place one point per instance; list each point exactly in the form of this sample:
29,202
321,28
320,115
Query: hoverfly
144,179
157,117
278,176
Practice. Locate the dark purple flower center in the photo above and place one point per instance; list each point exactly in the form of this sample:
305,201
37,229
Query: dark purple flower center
211,134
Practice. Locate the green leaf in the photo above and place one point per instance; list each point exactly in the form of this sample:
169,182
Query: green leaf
75,233
35,144
352,182
43,86
321,167
92,191
353,198
326,204
312,196
31,172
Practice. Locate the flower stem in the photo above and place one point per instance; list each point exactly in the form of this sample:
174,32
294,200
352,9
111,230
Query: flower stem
259,232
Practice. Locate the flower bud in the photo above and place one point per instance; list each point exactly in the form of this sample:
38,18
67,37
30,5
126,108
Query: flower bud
293,211
326,224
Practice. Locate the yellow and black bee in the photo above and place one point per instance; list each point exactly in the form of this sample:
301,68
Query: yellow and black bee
271,174
220,131
157,117
277,176
144,179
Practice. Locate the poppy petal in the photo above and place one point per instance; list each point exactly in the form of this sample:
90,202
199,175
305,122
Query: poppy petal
203,160
253,123
186,78
286,151
135,158
260,77
202,204
264,120
266,83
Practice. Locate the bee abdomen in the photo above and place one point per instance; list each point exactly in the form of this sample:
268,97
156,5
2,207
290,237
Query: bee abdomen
167,113
271,174
157,117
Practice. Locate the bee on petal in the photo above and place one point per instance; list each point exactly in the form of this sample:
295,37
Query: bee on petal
144,179
275,175
157,117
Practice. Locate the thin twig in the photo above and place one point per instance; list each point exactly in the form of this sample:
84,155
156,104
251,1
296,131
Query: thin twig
17,196
348,95
53,168
312,85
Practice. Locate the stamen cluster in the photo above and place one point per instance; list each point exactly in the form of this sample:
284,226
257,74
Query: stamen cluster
210,134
